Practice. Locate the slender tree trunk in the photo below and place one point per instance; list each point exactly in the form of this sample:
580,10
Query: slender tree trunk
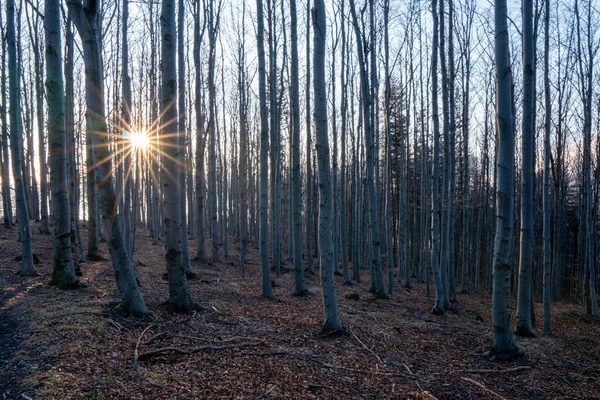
503,345
296,179
267,290
179,294
63,272
27,267
309,174
546,197
182,133
438,308
85,18
367,102
524,327
332,318
126,121
6,196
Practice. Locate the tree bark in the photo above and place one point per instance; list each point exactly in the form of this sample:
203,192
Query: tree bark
503,344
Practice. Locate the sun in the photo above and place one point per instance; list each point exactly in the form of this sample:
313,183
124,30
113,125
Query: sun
139,140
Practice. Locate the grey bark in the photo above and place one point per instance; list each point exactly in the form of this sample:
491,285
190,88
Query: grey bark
27,267
332,318
367,103
267,290
179,294
6,196
438,308
63,271
296,179
503,343
85,17
546,197
309,174
182,133
525,299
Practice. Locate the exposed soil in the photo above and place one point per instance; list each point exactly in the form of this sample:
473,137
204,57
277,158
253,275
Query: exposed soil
73,344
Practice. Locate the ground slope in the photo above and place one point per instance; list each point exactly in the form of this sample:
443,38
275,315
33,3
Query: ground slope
72,344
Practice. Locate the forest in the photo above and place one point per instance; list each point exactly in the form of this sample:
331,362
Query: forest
359,199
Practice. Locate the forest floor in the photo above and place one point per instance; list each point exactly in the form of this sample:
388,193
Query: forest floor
57,344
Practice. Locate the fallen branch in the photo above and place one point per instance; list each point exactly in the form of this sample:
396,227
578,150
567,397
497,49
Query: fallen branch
264,395
136,364
194,349
499,371
481,385
365,346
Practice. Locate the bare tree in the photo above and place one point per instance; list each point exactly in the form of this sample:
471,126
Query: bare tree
264,154
332,317
85,16
503,345
27,267
63,272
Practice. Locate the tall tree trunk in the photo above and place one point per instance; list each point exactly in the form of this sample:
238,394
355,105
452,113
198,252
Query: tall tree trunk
332,317
182,133
367,103
438,308
344,134
6,196
267,290
179,294
524,327
63,272
27,267
85,17
546,197
126,121
309,174
445,251
296,179
503,344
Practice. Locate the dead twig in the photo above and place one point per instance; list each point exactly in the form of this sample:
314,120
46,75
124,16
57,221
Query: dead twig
365,346
499,371
262,396
136,353
194,349
481,385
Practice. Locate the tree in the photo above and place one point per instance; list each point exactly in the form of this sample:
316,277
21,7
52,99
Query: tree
63,272
438,308
179,294
27,267
367,104
546,197
267,290
6,197
332,317
524,327
296,181
85,17
185,251
503,345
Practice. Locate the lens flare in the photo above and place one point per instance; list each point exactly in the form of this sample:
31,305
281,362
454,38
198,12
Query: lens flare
139,140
